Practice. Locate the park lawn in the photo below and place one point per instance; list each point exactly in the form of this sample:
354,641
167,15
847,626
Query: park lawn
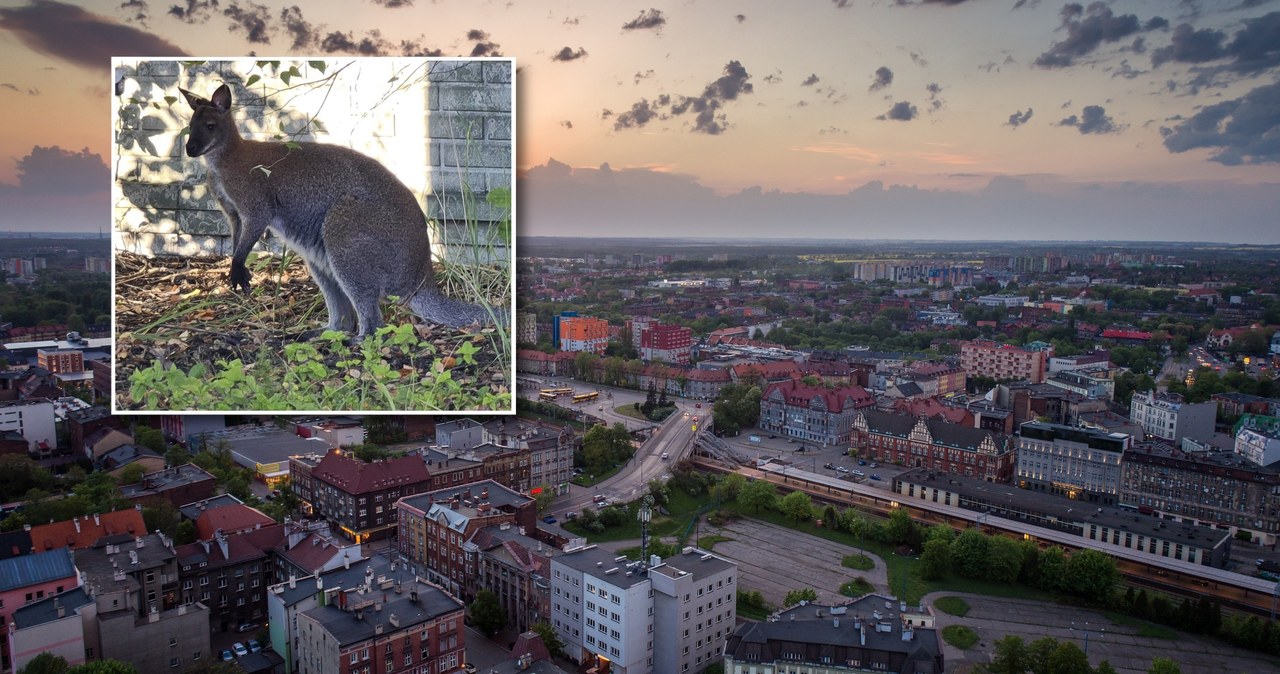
1145,628
630,411
953,605
681,508
960,636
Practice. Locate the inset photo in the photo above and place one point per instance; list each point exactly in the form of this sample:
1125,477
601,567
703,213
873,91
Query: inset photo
313,235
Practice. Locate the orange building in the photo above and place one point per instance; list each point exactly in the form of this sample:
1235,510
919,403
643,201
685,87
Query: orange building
582,333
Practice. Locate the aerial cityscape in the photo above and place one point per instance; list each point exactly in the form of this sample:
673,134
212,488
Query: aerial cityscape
911,336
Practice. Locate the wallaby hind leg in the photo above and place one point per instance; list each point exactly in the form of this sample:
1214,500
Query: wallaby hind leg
342,315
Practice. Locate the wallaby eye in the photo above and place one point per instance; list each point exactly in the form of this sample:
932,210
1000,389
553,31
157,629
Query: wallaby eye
209,126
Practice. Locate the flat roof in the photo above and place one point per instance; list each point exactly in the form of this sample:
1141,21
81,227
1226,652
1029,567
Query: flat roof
602,564
45,610
346,628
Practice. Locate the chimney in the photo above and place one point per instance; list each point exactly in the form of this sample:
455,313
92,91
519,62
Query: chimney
96,521
293,581
57,606
76,521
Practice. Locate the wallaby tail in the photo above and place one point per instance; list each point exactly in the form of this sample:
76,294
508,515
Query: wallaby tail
431,305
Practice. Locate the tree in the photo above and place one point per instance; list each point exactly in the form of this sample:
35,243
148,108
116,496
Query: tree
161,515
1067,658
544,498
45,663
1164,666
151,438
131,474
1092,574
901,530
969,553
797,505
549,638
185,533
103,667
758,495
177,456
1004,558
935,561
731,485
1011,656
487,614
796,596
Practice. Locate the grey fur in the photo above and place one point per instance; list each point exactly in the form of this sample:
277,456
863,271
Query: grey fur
360,230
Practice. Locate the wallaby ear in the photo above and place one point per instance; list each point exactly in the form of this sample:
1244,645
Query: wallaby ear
193,100
222,98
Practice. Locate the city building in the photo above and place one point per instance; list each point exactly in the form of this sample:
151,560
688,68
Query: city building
872,634
436,528
61,361
358,498
310,548
1086,383
1070,461
812,413
671,615
1120,528
516,568
28,578
1003,362
666,343
176,484
228,572
1215,487
383,625
56,624
85,531
265,450
1258,439
526,328
33,420
933,443
333,431
139,618
1170,417
582,333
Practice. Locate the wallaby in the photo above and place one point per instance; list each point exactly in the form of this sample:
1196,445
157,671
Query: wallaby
360,230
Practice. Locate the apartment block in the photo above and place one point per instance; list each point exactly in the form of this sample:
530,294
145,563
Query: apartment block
582,333
981,358
358,498
666,343
34,420
671,615
812,413
26,579
1169,416
1078,463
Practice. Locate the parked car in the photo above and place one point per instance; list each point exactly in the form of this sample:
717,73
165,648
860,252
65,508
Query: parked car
874,465
247,627
829,466
254,646
841,469
571,515
468,668
665,456
875,477
549,519
240,650
862,462
858,473
227,656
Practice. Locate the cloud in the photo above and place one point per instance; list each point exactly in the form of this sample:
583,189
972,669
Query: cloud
567,54
304,35
195,11
29,91
136,10
53,170
935,96
1191,46
918,59
1018,118
832,131
643,75
253,19
484,46
58,190
811,80
1087,29
708,117
1093,119
393,4
1245,130
902,111
740,18
74,35
372,44
647,19
773,78
557,200
568,124
883,78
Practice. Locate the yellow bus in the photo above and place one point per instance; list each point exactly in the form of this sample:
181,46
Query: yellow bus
586,397
546,395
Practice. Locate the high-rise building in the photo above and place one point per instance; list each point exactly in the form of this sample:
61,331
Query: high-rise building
1002,362
1075,462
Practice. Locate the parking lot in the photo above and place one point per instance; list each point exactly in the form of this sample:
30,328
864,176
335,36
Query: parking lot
830,460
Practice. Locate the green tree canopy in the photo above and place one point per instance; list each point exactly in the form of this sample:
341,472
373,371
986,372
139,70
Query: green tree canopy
487,613
758,495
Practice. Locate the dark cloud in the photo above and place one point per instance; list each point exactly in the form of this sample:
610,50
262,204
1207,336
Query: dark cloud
649,18
1156,23
841,4
902,111
572,21
567,54
1026,3
706,107
811,80
195,11
883,78
773,78
1191,46
606,113
372,44
1087,29
1245,130
643,75
935,96
740,18
393,4
53,170
484,46
476,34
29,91
74,35
1256,46
568,124
832,131
1093,119
1127,71
136,10
1018,118
252,18
918,59
642,112
304,35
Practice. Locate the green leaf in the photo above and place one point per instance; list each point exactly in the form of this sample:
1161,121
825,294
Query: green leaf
318,65
293,145
170,100
252,80
284,76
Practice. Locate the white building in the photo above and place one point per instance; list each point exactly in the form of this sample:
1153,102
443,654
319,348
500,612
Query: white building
674,616
1259,443
1078,463
33,419
1169,417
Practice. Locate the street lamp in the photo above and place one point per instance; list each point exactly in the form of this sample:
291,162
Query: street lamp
1085,629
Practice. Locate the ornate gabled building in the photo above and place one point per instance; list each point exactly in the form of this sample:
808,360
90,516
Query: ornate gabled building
812,413
933,443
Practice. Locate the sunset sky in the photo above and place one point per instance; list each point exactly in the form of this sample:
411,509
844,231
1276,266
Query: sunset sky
948,119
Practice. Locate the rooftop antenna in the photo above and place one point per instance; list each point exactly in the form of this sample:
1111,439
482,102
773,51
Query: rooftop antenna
645,514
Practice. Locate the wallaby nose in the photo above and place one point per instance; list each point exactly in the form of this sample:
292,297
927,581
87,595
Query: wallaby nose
193,150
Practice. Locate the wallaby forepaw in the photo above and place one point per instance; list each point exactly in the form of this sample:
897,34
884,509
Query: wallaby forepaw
239,279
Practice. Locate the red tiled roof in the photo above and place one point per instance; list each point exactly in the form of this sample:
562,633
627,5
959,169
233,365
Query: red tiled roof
66,534
230,519
311,555
354,476
795,392
240,546
1125,334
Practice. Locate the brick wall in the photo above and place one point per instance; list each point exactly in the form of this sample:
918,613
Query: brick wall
444,128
